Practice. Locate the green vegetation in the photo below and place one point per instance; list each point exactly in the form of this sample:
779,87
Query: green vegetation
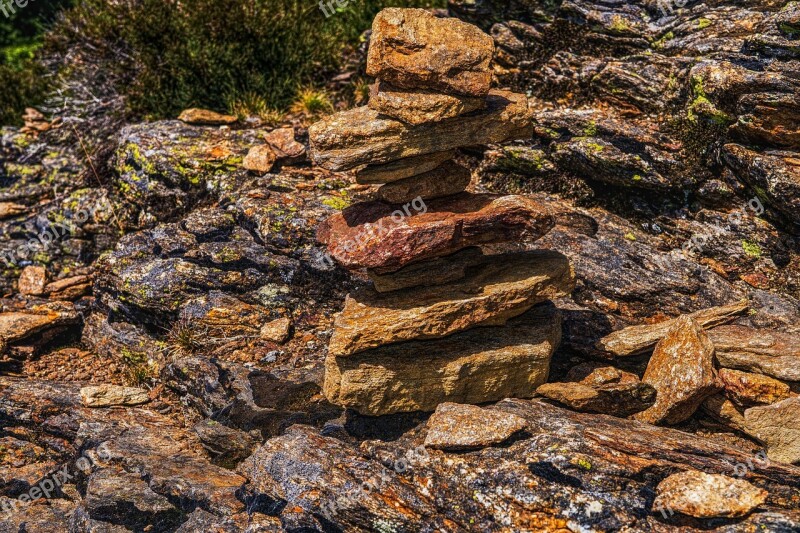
752,249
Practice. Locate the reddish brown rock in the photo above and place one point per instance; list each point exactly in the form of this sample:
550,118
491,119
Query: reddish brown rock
420,107
773,353
413,49
747,390
260,159
446,180
402,168
204,117
618,399
504,287
380,236
463,427
598,374
362,136
724,411
276,330
682,372
32,280
777,426
284,144
704,495
70,288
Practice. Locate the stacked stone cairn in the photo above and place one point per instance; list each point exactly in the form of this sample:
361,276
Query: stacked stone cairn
453,315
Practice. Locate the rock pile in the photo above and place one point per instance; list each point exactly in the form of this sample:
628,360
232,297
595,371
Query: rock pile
445,321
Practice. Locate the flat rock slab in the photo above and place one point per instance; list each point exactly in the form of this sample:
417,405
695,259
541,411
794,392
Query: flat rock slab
702,495
502,288
777,426
746,389
477,366
618,399
448,179
464,427
682,372
640,339
428,273
420,107
111,395
362,136
413,49
379,235
762,351
402,168
204,117
16,326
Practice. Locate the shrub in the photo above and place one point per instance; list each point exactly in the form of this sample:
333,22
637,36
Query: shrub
165,55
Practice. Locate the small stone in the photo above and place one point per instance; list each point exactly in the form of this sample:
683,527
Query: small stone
747,390
447,180
10,209
777,426
70,288
402,168
427,273
413,49
284,144
276,331
32,280
504,287
420,107
204,117
463,427
111,395
618,399
702,495
260,159
682,372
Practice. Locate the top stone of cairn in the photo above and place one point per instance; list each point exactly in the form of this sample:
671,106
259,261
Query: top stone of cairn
413,49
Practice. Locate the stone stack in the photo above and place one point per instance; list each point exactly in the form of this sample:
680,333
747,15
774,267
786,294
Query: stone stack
446,320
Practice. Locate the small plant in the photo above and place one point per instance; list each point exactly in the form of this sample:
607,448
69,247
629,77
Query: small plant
361,90
251,104
752,249
312,103
185,338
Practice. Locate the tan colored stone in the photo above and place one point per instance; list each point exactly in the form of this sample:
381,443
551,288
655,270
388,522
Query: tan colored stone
18,325
447,180
379,236
618,399
277,330
778,427
32,280
68,288
724,411
636,340
284,144
10,209
504,287
476,366
747,390
402,168
260,159
362,136
434,272
682,372
704,495
773,353
420,107
463,427
592,374
111,395
204,117
413,49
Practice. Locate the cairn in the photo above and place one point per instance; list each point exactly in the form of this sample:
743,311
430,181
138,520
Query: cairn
448,318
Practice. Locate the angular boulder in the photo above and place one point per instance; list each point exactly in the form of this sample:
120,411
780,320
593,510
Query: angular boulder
747,390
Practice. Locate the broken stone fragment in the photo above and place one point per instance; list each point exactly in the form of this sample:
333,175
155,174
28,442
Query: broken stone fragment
284,145
682,372
475,366
747,390
618,399
778,427
417,107
20,326
111,395
402,168
362,136
413,49
463,427
204,117
448,179
276,331
10,209
260,159
70,288
426,273
772,353
724,411
636,340
380,236
32,280
503,287
702,495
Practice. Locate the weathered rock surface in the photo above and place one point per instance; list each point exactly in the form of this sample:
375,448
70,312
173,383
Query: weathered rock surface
446,180
418,107
746,389
413,49
362,136
704,495
377,235
284,145
474,366
111,395
456,426
35,325
773,353
618,399
260,159
682,372
777,426
204,117
428,273
32,280
635,340
724,411
402,168
503,287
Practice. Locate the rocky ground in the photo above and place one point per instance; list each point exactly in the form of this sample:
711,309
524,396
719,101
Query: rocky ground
665,144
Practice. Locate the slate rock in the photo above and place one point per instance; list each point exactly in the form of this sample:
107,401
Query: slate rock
777,426
417,107
446,180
